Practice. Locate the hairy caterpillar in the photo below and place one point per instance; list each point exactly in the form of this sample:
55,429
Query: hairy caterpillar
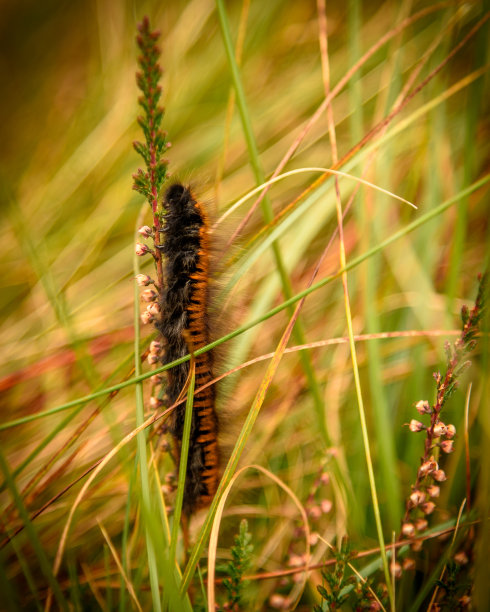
184,305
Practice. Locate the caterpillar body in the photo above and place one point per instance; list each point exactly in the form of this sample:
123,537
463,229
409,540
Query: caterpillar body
184,305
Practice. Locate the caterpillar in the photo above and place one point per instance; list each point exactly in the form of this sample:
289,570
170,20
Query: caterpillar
184,307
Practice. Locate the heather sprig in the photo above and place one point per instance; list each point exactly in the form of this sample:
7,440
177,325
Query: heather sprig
455,587
236,568
149,182
438,435
344,585
333,592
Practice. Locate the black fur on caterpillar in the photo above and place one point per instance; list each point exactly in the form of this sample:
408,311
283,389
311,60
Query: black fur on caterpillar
184,306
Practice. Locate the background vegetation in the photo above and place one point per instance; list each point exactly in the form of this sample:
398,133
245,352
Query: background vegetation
68,304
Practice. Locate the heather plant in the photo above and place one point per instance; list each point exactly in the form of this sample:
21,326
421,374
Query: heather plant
149,182
236,569
439,436
337,579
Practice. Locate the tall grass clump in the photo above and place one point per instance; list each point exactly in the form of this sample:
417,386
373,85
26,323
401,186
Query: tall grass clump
341,154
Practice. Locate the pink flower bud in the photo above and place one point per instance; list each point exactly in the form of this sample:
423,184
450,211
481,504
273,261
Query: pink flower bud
439,475
423,407
439,429
146,318
433,463
154,403
447,446
296,560
428,507
417,545
148,295
155,346
427,467
326,506
417,497
433,490
153,309
143,280
141,249
145,231
416,426
279,602
315,512
421,524
408,564
397,569
450,431
170,479
408,530
461,558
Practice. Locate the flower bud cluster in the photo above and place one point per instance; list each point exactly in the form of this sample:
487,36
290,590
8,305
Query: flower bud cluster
141,249
420,503
317,508
151,313
150,296
437,429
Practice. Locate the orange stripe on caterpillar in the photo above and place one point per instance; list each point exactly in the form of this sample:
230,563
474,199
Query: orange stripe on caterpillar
184,307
